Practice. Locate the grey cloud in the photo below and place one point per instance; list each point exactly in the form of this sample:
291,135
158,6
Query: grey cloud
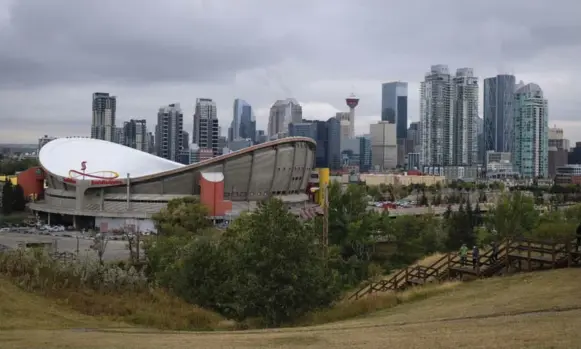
53,54
76,41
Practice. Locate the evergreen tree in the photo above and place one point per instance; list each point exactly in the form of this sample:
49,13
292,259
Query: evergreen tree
423,200
448,214
7,197
19,201
460,230
469,216
477,215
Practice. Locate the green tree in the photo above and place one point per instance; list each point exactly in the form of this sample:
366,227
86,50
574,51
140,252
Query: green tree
513,216
19,201
345,206
279,270
460,228
7,198
182,216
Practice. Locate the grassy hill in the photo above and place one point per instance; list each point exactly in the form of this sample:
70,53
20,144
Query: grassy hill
534,310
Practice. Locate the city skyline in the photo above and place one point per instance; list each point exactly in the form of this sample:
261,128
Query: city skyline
525,41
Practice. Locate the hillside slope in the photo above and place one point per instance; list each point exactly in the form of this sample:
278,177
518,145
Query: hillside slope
534,310
23,310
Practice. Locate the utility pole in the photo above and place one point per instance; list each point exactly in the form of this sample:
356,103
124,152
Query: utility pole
325,220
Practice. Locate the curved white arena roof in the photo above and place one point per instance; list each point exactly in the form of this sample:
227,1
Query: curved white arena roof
65,157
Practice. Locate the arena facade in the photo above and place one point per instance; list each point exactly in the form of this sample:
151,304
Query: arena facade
95,183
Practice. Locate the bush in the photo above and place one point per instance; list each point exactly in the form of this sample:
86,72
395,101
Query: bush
110,291
267,265
35,270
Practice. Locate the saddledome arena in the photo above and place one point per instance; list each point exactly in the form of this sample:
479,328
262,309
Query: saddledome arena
95,183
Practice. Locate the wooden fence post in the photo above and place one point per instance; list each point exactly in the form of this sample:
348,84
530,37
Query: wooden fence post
529,266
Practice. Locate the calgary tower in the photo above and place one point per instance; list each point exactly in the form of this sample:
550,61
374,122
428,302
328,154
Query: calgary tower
352,102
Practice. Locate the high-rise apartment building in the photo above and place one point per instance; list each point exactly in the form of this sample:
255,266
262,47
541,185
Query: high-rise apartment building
498,113
383,145
103,123
394,105
282,113
413,135
150,142
135,134
185,140
206,131
465,111
436,117
345,123
530,132
119,135
43,141
168,132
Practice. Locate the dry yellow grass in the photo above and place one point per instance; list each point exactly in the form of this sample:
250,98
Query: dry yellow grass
24,310
67,308
537,310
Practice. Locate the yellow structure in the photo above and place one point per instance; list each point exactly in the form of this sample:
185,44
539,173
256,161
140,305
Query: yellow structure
323,183
13,179
404,180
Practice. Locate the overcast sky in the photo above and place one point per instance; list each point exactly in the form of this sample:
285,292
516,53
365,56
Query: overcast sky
55,53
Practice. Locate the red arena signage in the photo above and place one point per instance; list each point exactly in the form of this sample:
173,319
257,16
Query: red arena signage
106,182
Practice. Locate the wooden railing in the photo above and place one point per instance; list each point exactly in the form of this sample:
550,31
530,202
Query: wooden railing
511,253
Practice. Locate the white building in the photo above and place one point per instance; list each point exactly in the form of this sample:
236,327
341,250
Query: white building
42,141
383,145
345,121
168,131
530,151
448,116
436,115
282,113
465,109
206,132
104,110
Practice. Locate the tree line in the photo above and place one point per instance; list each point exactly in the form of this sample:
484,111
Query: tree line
270,265
11,167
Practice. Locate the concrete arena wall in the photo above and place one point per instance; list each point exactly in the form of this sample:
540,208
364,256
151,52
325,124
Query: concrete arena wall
281,169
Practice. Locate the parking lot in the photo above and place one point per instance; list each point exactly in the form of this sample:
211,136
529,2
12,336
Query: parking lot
68,241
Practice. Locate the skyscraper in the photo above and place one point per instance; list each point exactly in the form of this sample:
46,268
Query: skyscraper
247,128
465,110
394,105
206,131
364,153
168,132
103,123
282,113
498,113
436,116
242,118
135,134
530,149
383,145
328,138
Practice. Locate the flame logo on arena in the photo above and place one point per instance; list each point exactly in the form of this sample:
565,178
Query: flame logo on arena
83,174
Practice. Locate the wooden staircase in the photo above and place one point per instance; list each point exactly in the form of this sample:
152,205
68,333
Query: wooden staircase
514,255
